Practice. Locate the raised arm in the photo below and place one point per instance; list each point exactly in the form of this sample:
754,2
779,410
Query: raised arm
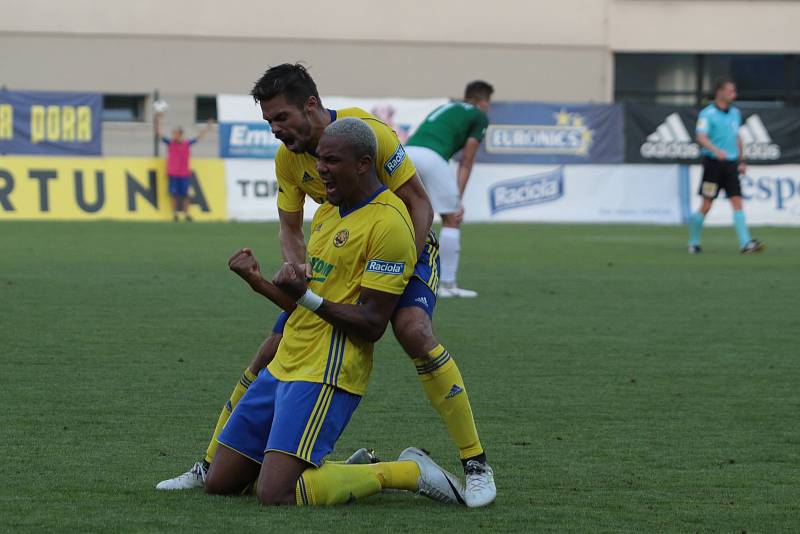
159,125
205,130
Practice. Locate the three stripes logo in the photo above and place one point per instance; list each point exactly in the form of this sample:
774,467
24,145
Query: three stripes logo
757,142
672,140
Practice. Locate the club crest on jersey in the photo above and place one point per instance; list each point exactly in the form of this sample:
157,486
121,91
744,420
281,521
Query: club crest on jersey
307,177
386,267
395,160
341,238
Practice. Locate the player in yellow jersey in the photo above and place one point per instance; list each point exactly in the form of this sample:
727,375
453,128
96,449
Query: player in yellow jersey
362,252
291,104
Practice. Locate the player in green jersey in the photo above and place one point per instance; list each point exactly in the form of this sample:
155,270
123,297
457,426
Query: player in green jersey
450,128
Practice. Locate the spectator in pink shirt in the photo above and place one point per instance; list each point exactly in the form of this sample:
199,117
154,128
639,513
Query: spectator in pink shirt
178,169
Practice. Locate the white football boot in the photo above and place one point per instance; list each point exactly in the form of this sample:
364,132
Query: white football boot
456,292
434,482
480,489
193,478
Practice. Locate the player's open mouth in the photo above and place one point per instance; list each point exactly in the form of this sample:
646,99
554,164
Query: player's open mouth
330,188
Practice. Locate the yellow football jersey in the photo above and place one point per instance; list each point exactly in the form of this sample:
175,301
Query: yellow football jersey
371,246
297,173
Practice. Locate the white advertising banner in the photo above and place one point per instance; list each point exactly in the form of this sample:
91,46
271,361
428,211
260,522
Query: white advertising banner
243,133
771,196
252,191
574,193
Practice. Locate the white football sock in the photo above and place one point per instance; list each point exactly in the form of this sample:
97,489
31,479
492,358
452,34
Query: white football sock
449,251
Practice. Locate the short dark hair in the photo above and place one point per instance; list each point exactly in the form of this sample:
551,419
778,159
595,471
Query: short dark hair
720,82
478,89
292,81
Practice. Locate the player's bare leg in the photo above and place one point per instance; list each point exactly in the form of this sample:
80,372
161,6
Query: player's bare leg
174,201
231,473
450,253
185,208
445,389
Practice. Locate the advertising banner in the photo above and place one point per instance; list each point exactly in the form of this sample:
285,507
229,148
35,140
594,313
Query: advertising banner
536,133
771,196
575,193
243,133
104,188
666,134
252,191
49,123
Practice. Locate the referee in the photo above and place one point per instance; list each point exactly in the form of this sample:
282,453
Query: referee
723,161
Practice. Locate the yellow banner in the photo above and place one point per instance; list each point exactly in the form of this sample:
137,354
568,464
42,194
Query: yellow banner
105,188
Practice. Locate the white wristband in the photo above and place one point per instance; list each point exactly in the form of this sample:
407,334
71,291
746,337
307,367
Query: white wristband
310,300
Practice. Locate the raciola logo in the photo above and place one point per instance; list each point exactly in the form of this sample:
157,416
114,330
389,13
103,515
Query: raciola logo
528,190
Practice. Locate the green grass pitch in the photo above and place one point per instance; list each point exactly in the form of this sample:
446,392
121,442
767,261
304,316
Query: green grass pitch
619,384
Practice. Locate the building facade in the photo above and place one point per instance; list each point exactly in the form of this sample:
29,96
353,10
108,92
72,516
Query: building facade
566,51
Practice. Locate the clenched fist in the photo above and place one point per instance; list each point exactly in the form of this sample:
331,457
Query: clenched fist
245,265
291,279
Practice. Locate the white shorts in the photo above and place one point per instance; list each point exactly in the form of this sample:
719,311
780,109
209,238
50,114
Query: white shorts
438,178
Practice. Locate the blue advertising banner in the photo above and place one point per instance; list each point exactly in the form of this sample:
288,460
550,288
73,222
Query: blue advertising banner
247,140
38,122
521,132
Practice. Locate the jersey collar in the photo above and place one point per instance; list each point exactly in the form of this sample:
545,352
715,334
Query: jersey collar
345,212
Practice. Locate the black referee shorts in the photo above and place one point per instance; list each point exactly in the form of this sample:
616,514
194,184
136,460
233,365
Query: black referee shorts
720,175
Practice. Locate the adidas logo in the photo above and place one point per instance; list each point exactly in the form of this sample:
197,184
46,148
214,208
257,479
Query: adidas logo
307,177
455,390
422,300
672,140
757,141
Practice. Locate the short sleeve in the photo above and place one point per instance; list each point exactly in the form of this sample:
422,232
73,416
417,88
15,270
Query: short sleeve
165,140
290,197
391,254
479,125
394,166
192,141
702,123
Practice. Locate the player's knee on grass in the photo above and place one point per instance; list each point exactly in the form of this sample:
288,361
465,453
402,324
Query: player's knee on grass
413,329
278,479
230,473
265,352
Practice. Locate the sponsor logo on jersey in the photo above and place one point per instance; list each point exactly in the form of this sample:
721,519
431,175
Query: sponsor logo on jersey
568,135
385,267
671,140
341,238
526,191
395,160
320,269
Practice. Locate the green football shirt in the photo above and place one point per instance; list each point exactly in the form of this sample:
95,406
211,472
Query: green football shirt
447,128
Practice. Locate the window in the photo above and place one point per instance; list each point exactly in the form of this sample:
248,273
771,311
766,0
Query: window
205,107
123,108
688,79
656,78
